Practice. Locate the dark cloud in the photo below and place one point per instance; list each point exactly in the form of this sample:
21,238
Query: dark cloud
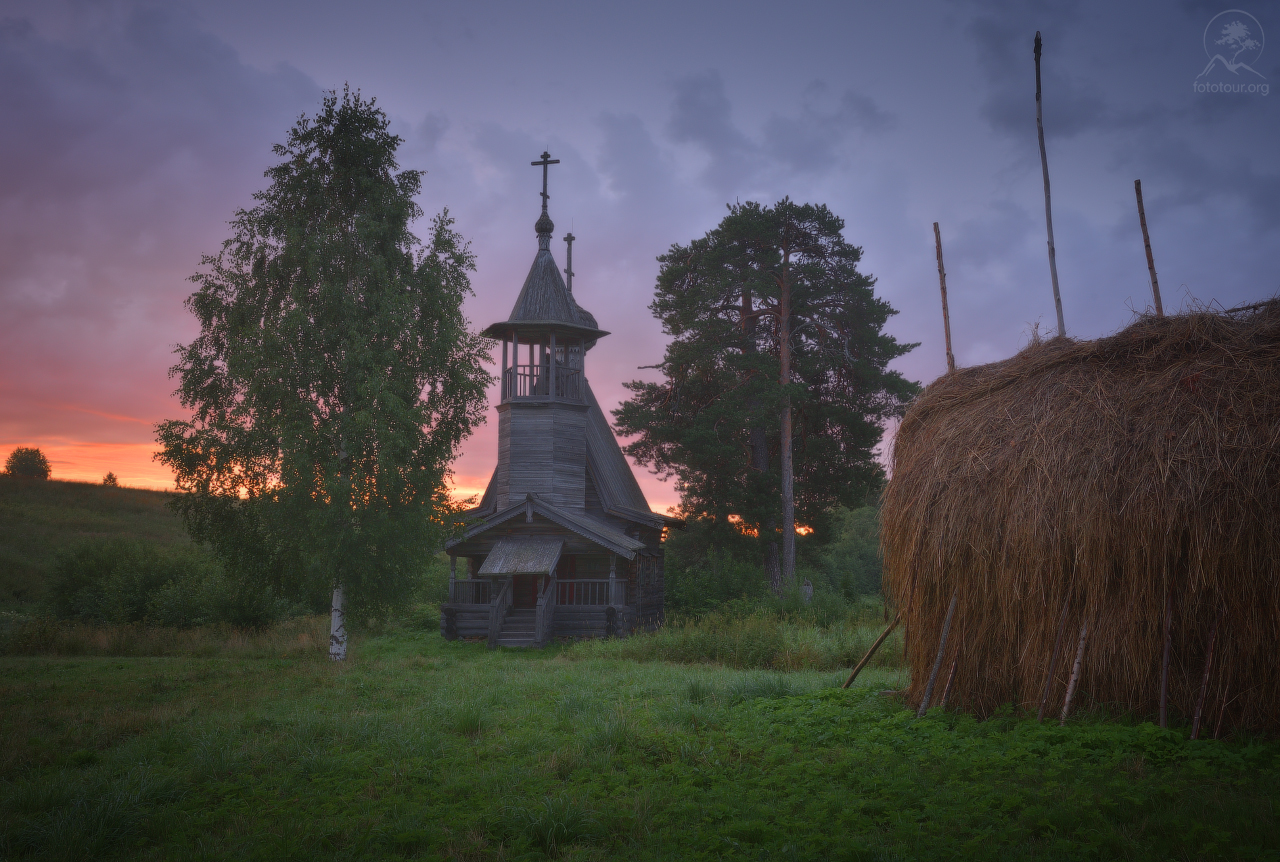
700,115
810,141
630,161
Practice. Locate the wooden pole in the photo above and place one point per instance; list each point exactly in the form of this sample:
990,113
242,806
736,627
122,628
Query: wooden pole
937,662
1204,680
1164,661
1048,208
942,282
875,646
906,628
951,677
1217,728
1075,674
1053,660
552,366
1146,242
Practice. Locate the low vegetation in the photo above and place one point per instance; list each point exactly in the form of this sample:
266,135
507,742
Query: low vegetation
41,521
217,748
771,635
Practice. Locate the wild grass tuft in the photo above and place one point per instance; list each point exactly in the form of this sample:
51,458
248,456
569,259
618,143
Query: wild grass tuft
554,823
469,719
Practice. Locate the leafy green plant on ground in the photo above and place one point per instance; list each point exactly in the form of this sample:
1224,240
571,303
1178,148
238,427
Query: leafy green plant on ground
580,754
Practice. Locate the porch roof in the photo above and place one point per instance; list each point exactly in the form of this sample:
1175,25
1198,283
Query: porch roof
523,555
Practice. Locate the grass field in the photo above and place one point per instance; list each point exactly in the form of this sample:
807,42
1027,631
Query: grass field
420,748
138,742
40,519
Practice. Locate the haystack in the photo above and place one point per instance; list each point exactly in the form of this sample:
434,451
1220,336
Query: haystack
1118,478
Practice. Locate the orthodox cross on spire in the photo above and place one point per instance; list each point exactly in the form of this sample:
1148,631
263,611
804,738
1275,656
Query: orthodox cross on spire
544,226
568,268
546,161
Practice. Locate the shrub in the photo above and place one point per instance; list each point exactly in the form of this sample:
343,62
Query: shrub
123,581
110,480
28,462
851,561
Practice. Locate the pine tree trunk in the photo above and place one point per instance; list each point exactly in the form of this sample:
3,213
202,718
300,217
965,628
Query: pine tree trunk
760,462
338,626
760,448
788,480
773,562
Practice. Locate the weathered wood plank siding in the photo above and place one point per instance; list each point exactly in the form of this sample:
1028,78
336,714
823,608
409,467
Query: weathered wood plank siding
542,450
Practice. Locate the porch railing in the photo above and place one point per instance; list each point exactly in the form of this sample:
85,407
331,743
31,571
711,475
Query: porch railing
478,591
544,616
498,612
591,591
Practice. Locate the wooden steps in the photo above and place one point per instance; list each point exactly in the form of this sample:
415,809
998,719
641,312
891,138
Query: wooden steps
518,628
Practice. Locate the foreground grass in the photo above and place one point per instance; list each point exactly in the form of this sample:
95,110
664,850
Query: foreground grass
427,749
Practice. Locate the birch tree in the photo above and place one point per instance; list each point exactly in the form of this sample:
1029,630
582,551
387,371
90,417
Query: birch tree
333,377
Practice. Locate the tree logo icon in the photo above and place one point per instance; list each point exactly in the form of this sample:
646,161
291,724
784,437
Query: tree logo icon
1233,40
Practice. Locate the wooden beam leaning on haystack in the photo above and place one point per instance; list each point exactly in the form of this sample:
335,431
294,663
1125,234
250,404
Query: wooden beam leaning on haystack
1091,487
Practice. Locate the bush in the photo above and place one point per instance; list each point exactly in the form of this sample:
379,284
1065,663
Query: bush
28,462
121,581
710,564
851,561
110,480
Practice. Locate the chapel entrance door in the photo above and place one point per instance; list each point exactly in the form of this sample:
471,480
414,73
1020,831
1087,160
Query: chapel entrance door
524,591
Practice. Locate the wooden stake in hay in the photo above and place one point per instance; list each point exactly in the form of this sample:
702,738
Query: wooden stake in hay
1105,475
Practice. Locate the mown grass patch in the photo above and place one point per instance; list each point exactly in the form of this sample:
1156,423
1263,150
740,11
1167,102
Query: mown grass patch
420,748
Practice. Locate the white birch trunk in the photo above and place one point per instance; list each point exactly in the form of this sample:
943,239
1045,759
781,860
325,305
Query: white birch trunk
338,626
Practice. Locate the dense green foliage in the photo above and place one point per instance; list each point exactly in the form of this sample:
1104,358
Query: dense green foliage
709,563
334,374
713,421
41,520
850,563
27,462
420,748
126,581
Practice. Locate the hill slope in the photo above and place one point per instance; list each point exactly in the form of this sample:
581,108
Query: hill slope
40,519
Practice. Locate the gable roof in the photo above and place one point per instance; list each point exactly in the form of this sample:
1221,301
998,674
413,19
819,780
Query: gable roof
619,491
584,525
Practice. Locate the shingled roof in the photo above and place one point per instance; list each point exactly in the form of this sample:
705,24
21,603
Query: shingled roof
545,300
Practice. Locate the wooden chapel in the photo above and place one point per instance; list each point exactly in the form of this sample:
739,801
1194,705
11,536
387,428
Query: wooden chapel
563,542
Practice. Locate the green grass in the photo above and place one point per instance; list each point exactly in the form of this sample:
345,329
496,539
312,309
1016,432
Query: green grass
420,748
40,519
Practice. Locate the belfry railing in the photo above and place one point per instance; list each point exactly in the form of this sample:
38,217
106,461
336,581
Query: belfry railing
534,381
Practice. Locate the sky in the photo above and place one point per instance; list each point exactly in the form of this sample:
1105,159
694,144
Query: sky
133,131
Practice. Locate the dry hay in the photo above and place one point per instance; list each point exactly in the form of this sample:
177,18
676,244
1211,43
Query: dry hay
1103,475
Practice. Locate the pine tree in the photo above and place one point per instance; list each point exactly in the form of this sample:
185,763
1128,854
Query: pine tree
333,377
776,386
